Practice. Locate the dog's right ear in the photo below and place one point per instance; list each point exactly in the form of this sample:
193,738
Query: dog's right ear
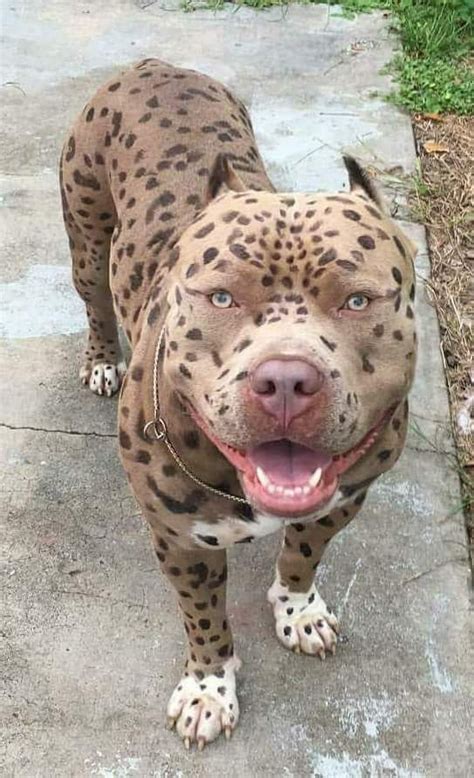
223,178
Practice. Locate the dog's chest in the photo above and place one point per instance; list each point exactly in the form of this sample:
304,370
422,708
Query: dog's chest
229,530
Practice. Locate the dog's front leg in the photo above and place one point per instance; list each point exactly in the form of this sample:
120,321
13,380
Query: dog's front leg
303,621
204,703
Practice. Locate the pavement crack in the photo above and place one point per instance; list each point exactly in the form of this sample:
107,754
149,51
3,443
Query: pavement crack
59,431
111,600
432,569
432,450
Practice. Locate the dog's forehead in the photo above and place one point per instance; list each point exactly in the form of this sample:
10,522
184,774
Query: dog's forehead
347,229
270,239
293,205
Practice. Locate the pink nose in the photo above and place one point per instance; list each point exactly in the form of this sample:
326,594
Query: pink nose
285,388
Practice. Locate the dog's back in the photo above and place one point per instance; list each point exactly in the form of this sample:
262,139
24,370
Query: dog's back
135,171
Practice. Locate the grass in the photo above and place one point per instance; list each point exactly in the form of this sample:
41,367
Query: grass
452,461
435,71
442,199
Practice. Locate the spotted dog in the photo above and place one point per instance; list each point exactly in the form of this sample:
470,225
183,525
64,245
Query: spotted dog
273,347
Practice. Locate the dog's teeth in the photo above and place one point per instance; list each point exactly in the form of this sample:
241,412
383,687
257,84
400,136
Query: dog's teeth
306,489
315,478
279,489
289,493
298,490
262,477
271,488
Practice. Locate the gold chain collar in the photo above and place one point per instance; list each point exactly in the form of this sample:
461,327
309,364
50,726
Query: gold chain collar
156,429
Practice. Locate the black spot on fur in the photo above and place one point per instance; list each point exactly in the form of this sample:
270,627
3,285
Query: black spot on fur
350,214
399,246
326,521
239,251
329,344
244,512
204,231
209,255
124,440
397,275
87,181
190,504
210,540
191,439
194,334
328,256
71,149
366,241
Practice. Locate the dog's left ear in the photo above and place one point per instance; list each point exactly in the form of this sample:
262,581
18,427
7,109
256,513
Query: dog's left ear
223,178
359,180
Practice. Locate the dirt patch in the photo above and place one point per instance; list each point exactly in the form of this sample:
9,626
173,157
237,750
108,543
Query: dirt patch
443,200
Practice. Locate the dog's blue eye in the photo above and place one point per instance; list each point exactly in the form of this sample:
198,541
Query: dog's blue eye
357,302
222,299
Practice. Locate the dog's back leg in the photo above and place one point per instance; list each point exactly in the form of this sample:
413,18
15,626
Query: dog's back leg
90,219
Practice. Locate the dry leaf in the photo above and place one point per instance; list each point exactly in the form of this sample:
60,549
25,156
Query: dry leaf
434,117
432,147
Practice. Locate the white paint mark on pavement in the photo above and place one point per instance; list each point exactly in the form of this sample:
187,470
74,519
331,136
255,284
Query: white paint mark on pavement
370,766
374,714
121,767
440,677
407,494
349,588
43,302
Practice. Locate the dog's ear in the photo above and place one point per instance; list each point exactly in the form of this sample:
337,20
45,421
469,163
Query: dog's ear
223,178
359,180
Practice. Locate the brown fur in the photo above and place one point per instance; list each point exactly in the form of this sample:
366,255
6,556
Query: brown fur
166,200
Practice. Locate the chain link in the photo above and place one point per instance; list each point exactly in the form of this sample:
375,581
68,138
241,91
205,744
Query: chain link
160,434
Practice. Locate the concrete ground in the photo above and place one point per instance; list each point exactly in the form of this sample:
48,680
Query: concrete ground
91,638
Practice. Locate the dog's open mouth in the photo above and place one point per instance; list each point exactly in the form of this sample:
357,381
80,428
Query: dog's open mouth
285,478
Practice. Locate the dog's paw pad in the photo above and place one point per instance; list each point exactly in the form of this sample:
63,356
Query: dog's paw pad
103,378
303,622
203,708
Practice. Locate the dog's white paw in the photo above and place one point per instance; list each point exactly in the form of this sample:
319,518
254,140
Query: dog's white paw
303,621
203,708
103,377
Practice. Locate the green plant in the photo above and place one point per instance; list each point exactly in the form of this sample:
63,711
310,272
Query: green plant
442,28
434,86
352,7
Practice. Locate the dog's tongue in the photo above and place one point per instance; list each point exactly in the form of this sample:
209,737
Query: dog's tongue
286,463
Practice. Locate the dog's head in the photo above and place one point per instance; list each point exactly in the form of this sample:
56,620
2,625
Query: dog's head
290,335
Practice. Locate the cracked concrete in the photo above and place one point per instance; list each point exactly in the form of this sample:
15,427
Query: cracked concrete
92,642
60,432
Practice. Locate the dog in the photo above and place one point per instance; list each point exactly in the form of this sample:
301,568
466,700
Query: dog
273,347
